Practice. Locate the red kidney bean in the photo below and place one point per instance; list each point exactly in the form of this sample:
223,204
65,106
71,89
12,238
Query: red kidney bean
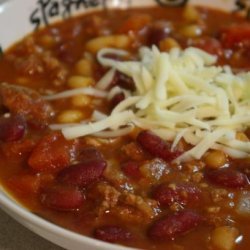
82,174
209,44
227,177
62,198
123,81
12,128
174,225
131,169
89,154
158,31
117,99
112,234
183,194
156,146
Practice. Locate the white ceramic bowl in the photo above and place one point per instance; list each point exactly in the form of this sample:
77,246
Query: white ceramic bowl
20,17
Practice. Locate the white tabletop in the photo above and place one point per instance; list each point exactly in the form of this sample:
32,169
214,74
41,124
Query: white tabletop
13,236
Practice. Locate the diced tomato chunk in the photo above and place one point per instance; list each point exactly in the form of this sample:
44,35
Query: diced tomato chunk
62,198
24,184
237,35
52,153
14,150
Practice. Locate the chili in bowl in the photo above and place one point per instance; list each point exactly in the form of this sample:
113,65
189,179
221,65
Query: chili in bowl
129,126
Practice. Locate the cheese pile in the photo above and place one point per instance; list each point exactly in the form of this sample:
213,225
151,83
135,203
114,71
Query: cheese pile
180,94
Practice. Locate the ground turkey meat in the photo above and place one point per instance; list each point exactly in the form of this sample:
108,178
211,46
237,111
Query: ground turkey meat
123,204
26,102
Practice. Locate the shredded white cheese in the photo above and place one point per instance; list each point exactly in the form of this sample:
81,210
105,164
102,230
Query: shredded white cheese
111,122
115,133
106,80
180,94
69,93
